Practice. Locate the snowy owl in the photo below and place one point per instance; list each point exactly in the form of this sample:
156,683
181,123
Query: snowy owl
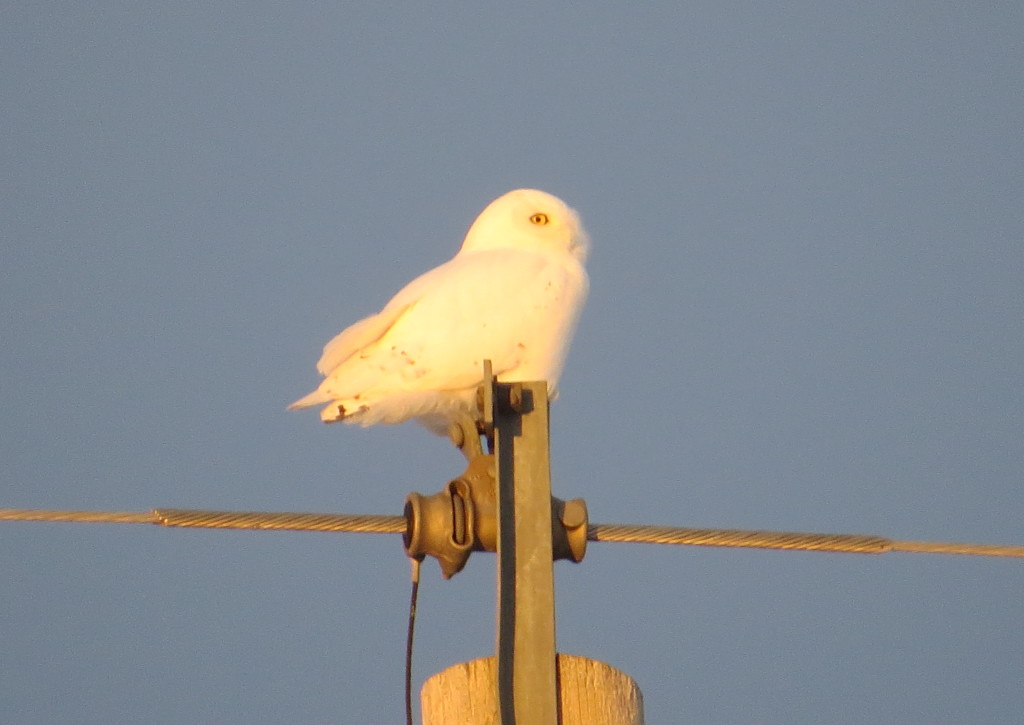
512,294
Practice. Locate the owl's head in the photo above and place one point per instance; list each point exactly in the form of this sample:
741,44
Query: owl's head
528,219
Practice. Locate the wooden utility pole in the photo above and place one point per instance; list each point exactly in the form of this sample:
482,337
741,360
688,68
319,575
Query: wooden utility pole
526,684
589,693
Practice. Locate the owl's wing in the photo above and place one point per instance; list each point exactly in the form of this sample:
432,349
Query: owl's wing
357,336
368,330
500,305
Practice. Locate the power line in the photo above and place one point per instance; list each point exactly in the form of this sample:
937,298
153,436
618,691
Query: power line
200,518
377,524
794,540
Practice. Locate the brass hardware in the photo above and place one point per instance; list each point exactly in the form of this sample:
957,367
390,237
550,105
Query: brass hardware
462,518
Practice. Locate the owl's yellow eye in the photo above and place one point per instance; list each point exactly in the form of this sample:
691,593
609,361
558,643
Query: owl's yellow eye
539,219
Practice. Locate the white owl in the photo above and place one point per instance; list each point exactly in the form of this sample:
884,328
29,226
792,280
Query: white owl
512,295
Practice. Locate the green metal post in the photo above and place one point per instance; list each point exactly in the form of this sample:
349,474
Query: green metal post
527,693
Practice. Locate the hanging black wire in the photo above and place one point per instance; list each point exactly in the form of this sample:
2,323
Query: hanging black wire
414,595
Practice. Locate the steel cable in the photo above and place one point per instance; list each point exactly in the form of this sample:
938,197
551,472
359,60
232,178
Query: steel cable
738,538
198,518
848,543
377,524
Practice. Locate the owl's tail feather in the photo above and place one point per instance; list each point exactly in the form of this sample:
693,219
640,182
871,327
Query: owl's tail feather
317,397
335,413
336,410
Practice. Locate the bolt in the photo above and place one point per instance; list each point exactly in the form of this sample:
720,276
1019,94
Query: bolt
457,435
515,397
574,514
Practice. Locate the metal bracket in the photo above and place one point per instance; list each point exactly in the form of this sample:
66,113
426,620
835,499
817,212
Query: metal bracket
465,432
457,520
465,435
462,518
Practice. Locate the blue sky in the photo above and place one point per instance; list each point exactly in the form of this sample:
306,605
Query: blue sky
807,313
